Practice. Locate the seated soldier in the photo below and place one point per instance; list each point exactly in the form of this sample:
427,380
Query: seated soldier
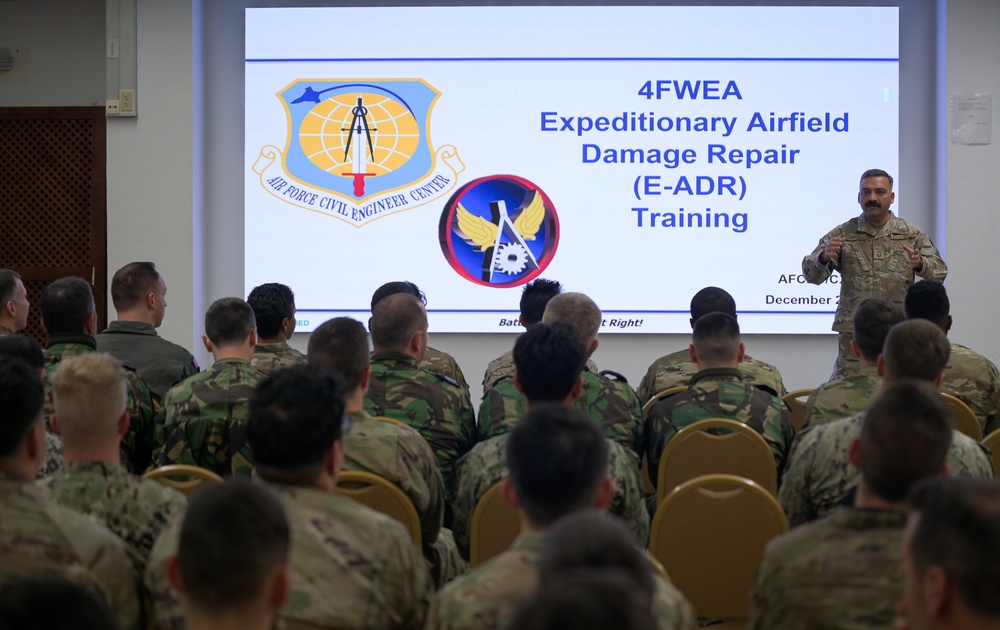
431,403
89,392
844,571
969,376
851,394
273,307
14,303
605,397
677,369
549,360
819,476
393,451
37,537
435,361
558,464
28,350
203,422
718,390
232,558
70,321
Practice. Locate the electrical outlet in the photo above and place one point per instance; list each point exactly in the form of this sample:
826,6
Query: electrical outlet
111,107
126,100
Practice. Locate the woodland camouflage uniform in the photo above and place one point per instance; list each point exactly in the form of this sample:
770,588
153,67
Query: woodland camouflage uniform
677,369
268,357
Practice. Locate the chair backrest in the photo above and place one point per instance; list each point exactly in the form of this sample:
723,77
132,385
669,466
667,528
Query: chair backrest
495,525
657,565
992,442
694,452
381,495
796,403
964,419
182,477
710,535
660,395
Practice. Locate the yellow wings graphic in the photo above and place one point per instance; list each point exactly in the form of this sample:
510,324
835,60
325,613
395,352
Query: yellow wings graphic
528,222
479,232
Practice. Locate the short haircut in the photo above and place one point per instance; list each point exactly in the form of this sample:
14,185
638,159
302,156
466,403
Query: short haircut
905,437
271,303
873,318
596,600
295,417
395,319
535,297
557,458
716,338
712,300
8,286
928,300
958,529
577,310
132,283
89,394
21,398
66,305
229,321
233,538
52,604
340,344
24,348
916,348
392,288
876,172
549,359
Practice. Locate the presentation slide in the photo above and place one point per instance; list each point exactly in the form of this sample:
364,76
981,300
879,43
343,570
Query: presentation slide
635,154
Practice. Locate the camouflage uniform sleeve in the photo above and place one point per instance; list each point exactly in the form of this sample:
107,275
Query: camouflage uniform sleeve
934,268
779,433
647,386
810,413
139,443
164,605
406,579
628,502
501,408
969,458
671,609
992,399
793,494
423,484
814,271
628,432
657,431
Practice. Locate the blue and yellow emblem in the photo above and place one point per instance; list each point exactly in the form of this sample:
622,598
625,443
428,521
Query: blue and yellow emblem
358,149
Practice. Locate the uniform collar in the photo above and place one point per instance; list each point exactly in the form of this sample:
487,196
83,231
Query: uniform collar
717,374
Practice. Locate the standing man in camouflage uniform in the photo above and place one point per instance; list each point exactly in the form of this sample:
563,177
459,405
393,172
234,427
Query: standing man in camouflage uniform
819,475
273,305
718,390
37,537
969,376
844,570
90,415
433,404
13,303
873,318
140,297
203,422
877,255
558,463
70,320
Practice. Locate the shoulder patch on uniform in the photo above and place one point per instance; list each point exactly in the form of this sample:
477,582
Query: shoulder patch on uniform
615,376
446,379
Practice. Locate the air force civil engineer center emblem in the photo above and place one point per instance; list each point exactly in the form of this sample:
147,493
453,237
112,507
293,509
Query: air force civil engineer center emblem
358,150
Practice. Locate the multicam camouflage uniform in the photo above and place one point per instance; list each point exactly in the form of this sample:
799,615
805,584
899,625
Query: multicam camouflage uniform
502,368
820,476
269,357
161,363
842,398
433,404
442,363
609,401
137,445
486,464
41,539
136,511
677,369
973,379
351,567
843,571
203,422
872,263
53,456
719,393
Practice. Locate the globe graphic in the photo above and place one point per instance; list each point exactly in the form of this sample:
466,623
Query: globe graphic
327,127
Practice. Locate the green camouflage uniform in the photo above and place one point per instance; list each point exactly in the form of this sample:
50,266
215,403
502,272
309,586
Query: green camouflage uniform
719,393
973,379
433,404
842,398
351,567
203,422
159,362
609,401
486,464
872,263
134,510
843,571
820,476
489,596
41,539
442,363
502,368
677,369
137,445
268,357
53,456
